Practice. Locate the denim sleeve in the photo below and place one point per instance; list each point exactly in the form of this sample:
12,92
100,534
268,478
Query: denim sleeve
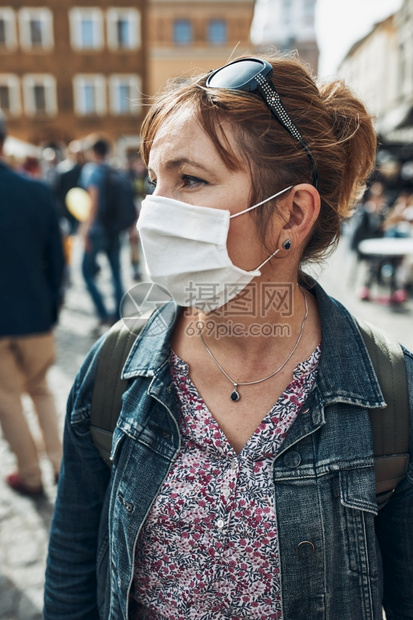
394,526
70,589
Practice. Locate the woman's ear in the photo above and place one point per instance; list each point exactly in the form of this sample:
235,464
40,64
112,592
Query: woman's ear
300,212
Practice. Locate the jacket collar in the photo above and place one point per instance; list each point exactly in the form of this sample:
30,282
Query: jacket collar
346,374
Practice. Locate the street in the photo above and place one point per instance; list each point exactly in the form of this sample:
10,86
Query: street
24,523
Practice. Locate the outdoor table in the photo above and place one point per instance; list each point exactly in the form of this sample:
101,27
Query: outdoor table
387,246
390,250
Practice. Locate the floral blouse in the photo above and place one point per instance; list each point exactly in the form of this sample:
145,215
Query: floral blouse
209,546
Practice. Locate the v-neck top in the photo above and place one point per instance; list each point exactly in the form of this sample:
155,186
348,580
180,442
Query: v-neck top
209,546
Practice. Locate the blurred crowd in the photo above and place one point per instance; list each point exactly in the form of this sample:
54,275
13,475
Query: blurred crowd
39,218
63,170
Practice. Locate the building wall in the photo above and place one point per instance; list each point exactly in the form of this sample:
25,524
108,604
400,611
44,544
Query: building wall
404,27
370,68
84,87
287,25
169,57
380,69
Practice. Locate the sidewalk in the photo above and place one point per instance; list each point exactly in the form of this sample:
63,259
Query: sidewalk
24,524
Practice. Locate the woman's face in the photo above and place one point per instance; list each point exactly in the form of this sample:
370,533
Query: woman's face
185,165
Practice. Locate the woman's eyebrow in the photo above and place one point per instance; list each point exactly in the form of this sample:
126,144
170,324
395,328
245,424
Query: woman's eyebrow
172,164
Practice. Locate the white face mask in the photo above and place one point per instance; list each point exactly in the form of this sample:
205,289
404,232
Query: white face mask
185,250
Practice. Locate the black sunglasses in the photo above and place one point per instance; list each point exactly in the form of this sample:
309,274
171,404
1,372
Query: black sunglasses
252,74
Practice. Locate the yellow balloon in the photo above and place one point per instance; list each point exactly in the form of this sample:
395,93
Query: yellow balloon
78,202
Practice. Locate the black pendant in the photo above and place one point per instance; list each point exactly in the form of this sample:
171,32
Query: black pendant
235,395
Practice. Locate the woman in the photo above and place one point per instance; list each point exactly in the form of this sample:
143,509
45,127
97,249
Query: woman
242,483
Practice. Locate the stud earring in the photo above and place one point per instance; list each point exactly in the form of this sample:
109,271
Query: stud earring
287,244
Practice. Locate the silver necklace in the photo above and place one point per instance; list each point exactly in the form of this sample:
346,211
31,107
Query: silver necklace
235,395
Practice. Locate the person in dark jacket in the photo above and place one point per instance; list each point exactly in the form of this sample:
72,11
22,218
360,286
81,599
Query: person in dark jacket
31,270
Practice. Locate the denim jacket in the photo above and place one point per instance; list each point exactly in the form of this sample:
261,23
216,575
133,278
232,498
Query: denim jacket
339,558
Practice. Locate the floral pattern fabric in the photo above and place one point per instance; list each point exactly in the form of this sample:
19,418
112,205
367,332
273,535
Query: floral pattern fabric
209,547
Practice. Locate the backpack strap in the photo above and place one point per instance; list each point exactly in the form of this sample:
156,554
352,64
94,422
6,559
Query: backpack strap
109,387
390,426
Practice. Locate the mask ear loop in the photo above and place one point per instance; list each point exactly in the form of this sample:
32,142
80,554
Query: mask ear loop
258,205
262,202
268,259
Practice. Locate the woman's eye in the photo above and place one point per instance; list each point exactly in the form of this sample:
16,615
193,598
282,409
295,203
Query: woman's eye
190,181
151,182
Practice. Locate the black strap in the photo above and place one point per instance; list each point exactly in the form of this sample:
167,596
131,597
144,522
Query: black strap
390,426
109,387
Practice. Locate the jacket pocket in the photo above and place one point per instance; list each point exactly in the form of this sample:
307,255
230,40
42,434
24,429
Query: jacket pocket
357,496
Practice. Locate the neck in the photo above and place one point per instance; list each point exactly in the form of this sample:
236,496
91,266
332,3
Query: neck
262,316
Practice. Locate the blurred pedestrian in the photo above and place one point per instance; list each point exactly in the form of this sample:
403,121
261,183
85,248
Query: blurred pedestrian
368,223
50,161
31,269
398,222
31,167
98,237
136,173
68,176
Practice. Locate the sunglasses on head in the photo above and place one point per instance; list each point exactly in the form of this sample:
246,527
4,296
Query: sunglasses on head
252,75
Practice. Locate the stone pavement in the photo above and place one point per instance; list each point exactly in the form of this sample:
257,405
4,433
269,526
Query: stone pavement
24,524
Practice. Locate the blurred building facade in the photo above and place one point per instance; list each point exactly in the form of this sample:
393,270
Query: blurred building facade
69,69
286,26
379,68
187,36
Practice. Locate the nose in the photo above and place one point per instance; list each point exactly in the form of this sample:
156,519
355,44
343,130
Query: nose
161,189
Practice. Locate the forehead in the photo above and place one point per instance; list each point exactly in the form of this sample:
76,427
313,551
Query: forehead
181,135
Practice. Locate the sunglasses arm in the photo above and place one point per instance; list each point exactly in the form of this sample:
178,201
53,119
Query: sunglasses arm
273,100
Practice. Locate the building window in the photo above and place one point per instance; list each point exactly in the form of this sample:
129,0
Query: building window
217,31
90,95
7,29
36,33
4,98
125,94
10,94
87,33
124,28
182,31
36,29
39,95
86,29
